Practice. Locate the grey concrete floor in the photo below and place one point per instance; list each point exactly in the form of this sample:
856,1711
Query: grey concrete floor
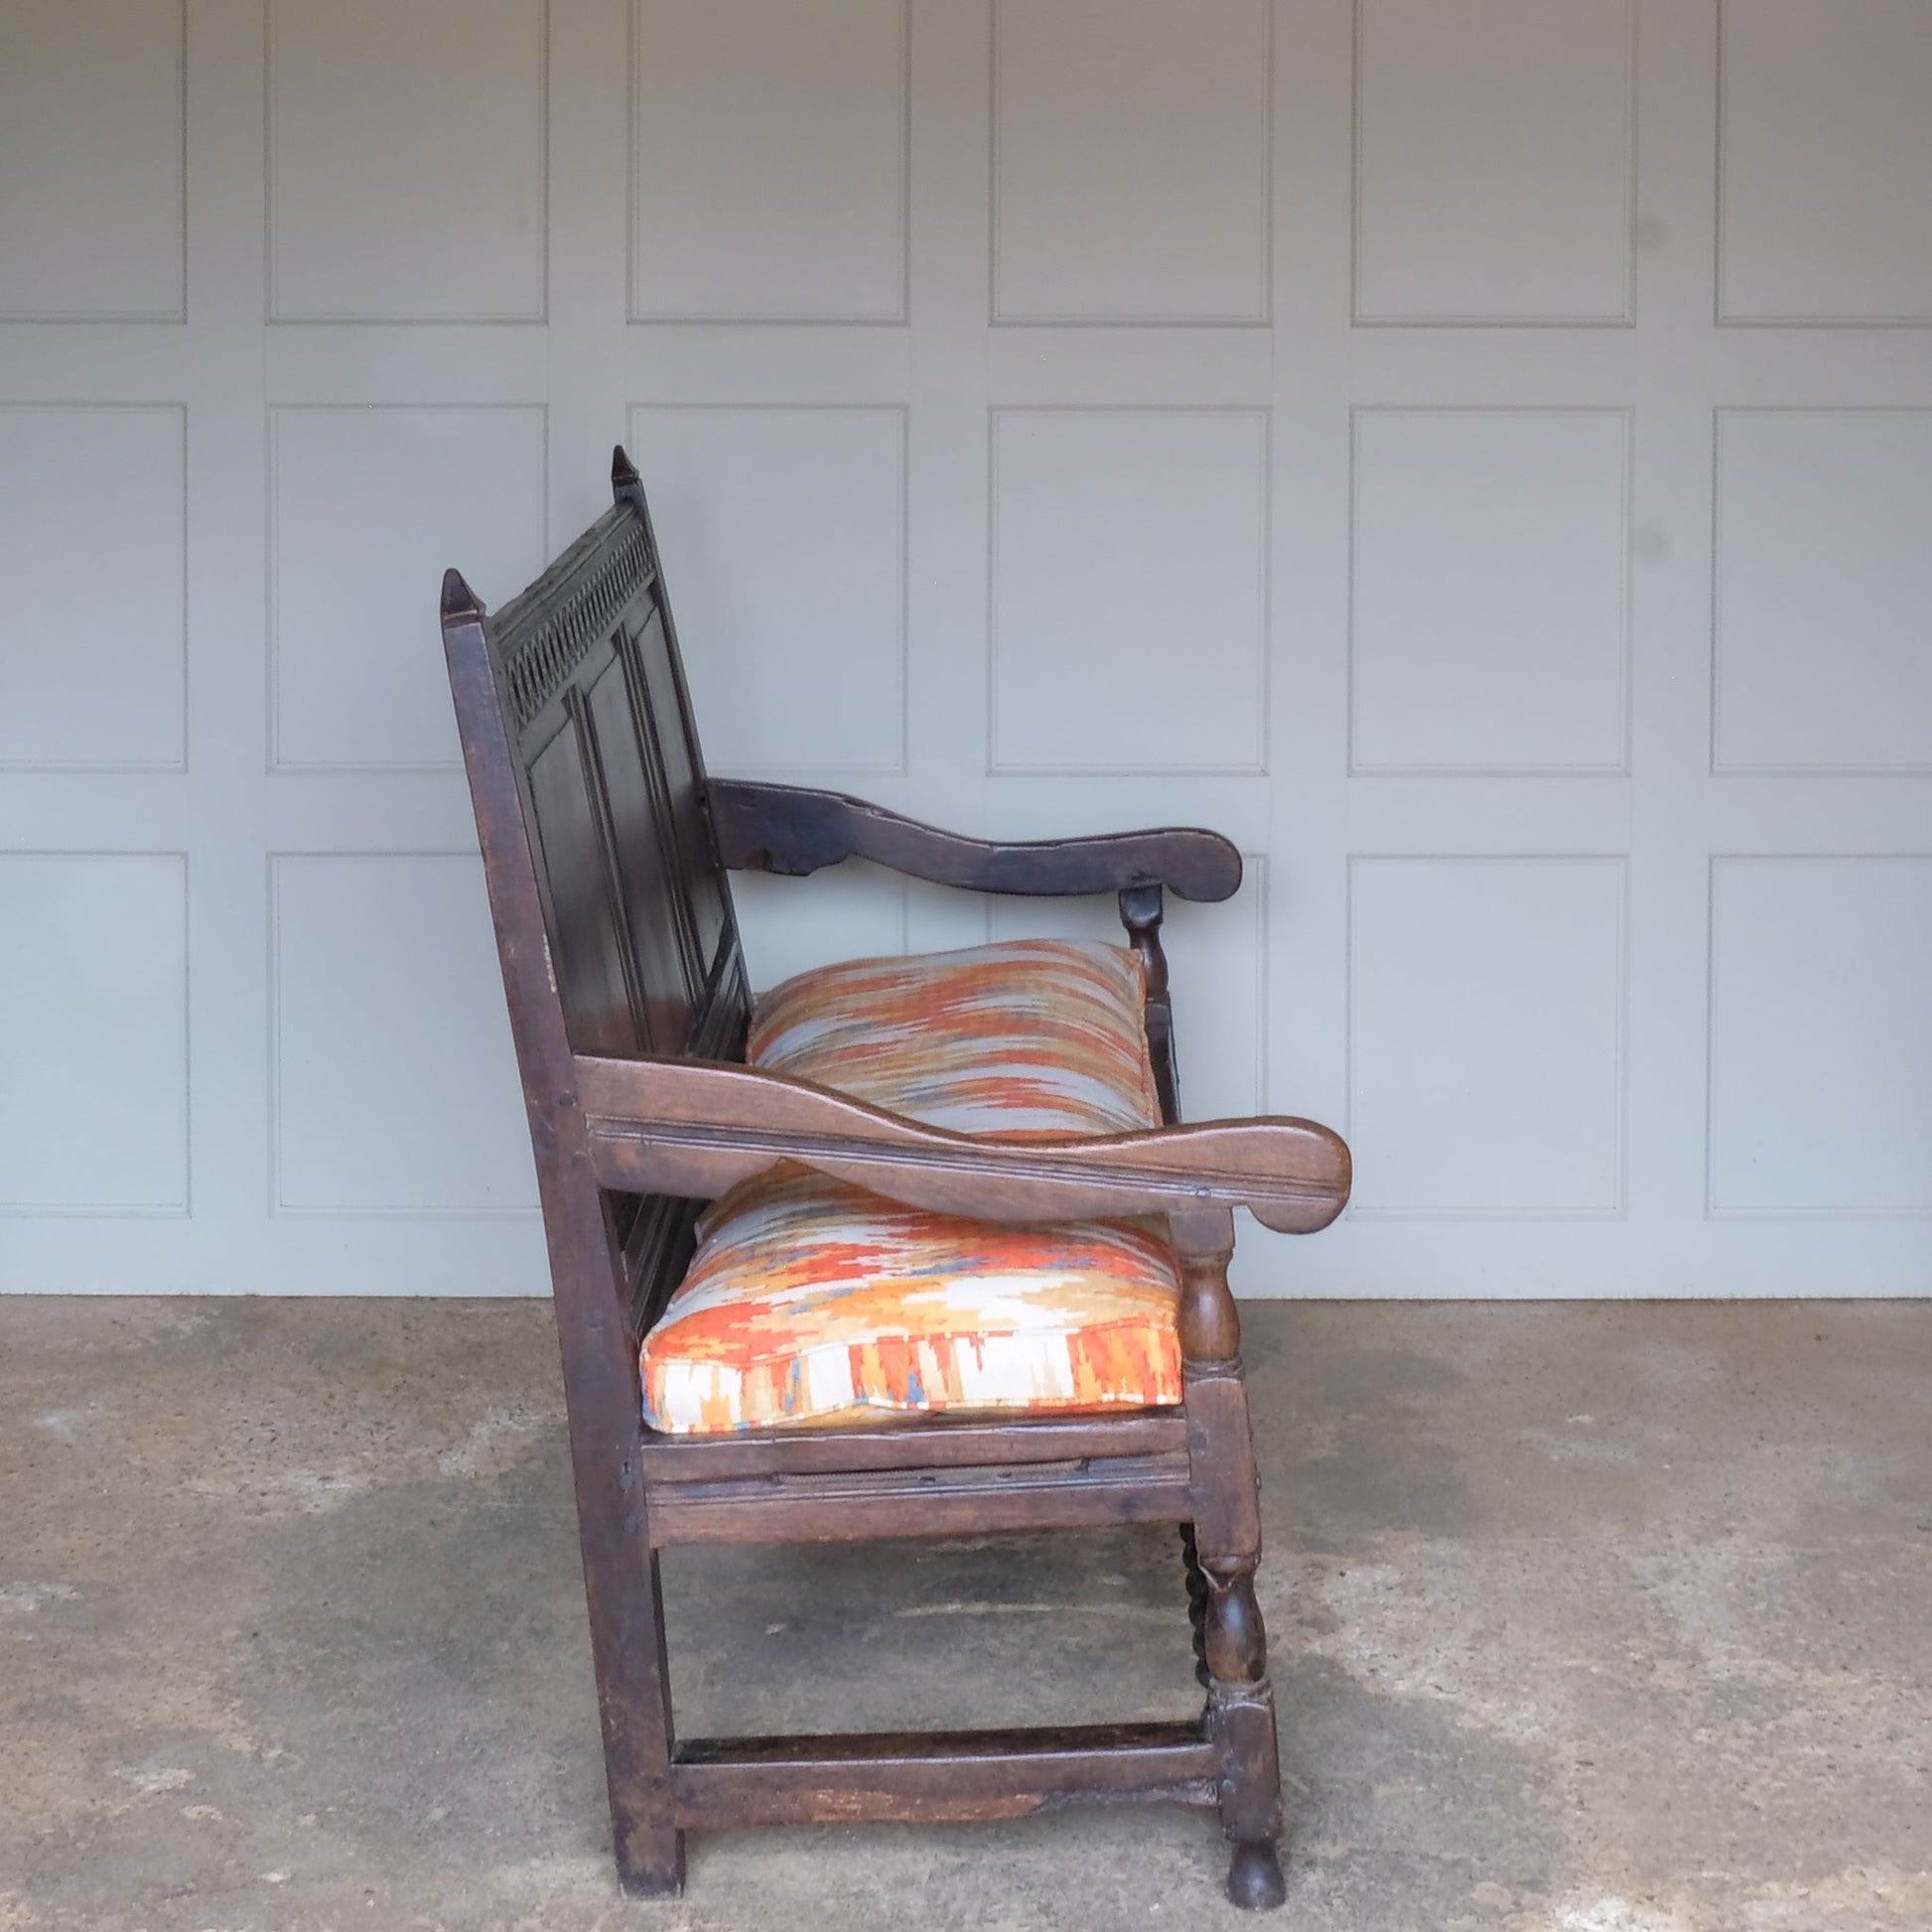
1585,1618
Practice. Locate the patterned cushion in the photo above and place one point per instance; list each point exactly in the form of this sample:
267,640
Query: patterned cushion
811,1302
1030,1038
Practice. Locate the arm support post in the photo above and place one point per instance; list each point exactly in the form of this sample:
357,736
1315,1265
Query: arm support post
1140,912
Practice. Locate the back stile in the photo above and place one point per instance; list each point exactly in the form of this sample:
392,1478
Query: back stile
599,1364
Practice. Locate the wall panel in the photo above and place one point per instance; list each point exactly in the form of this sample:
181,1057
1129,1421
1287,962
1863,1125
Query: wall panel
1821,1031
1124,543
797,665
1825,120
1485,1035
769,157
1130,161
1823,590
93,181
365,506
94,683
1490,555
1494,161
406,159
96,960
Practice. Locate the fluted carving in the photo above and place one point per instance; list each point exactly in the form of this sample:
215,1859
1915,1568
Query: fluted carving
538,666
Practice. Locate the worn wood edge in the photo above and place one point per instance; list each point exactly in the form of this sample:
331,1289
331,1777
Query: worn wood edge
795,830
931,1442
869,1506
512,622
993,1477
909,1776
698,1127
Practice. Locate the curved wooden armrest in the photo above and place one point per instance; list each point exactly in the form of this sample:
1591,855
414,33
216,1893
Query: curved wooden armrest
794,830
697,1127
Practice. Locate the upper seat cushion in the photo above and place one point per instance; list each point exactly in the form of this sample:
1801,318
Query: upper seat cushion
809,1301
1028,1037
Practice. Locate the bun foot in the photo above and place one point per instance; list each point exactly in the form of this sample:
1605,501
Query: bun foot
1255,1882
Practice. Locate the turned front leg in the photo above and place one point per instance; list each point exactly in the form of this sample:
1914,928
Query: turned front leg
1241,1710
1226,1546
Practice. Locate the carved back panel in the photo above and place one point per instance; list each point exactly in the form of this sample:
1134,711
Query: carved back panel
586,692
639,915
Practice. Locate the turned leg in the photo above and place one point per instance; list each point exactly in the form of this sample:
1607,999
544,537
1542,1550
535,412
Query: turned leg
1241,1711
1223,1544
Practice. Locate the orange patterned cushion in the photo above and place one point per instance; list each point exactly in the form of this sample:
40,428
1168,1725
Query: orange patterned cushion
810,1300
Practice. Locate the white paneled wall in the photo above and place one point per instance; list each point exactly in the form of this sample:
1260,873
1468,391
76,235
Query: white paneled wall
1130,178
803,662
1127,621
1495,158
82,695
406,164
1477,452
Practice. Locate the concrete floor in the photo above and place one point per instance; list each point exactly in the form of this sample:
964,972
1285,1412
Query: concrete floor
1585,1618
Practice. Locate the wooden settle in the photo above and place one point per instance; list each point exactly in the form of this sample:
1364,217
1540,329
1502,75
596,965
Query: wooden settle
607,848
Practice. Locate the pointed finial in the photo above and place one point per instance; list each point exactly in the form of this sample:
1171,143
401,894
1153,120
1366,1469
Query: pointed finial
460,603
623,473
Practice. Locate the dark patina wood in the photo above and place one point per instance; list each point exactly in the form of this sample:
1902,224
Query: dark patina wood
699,1129
911,1776
607,847
926,1443
864,1504
793,830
